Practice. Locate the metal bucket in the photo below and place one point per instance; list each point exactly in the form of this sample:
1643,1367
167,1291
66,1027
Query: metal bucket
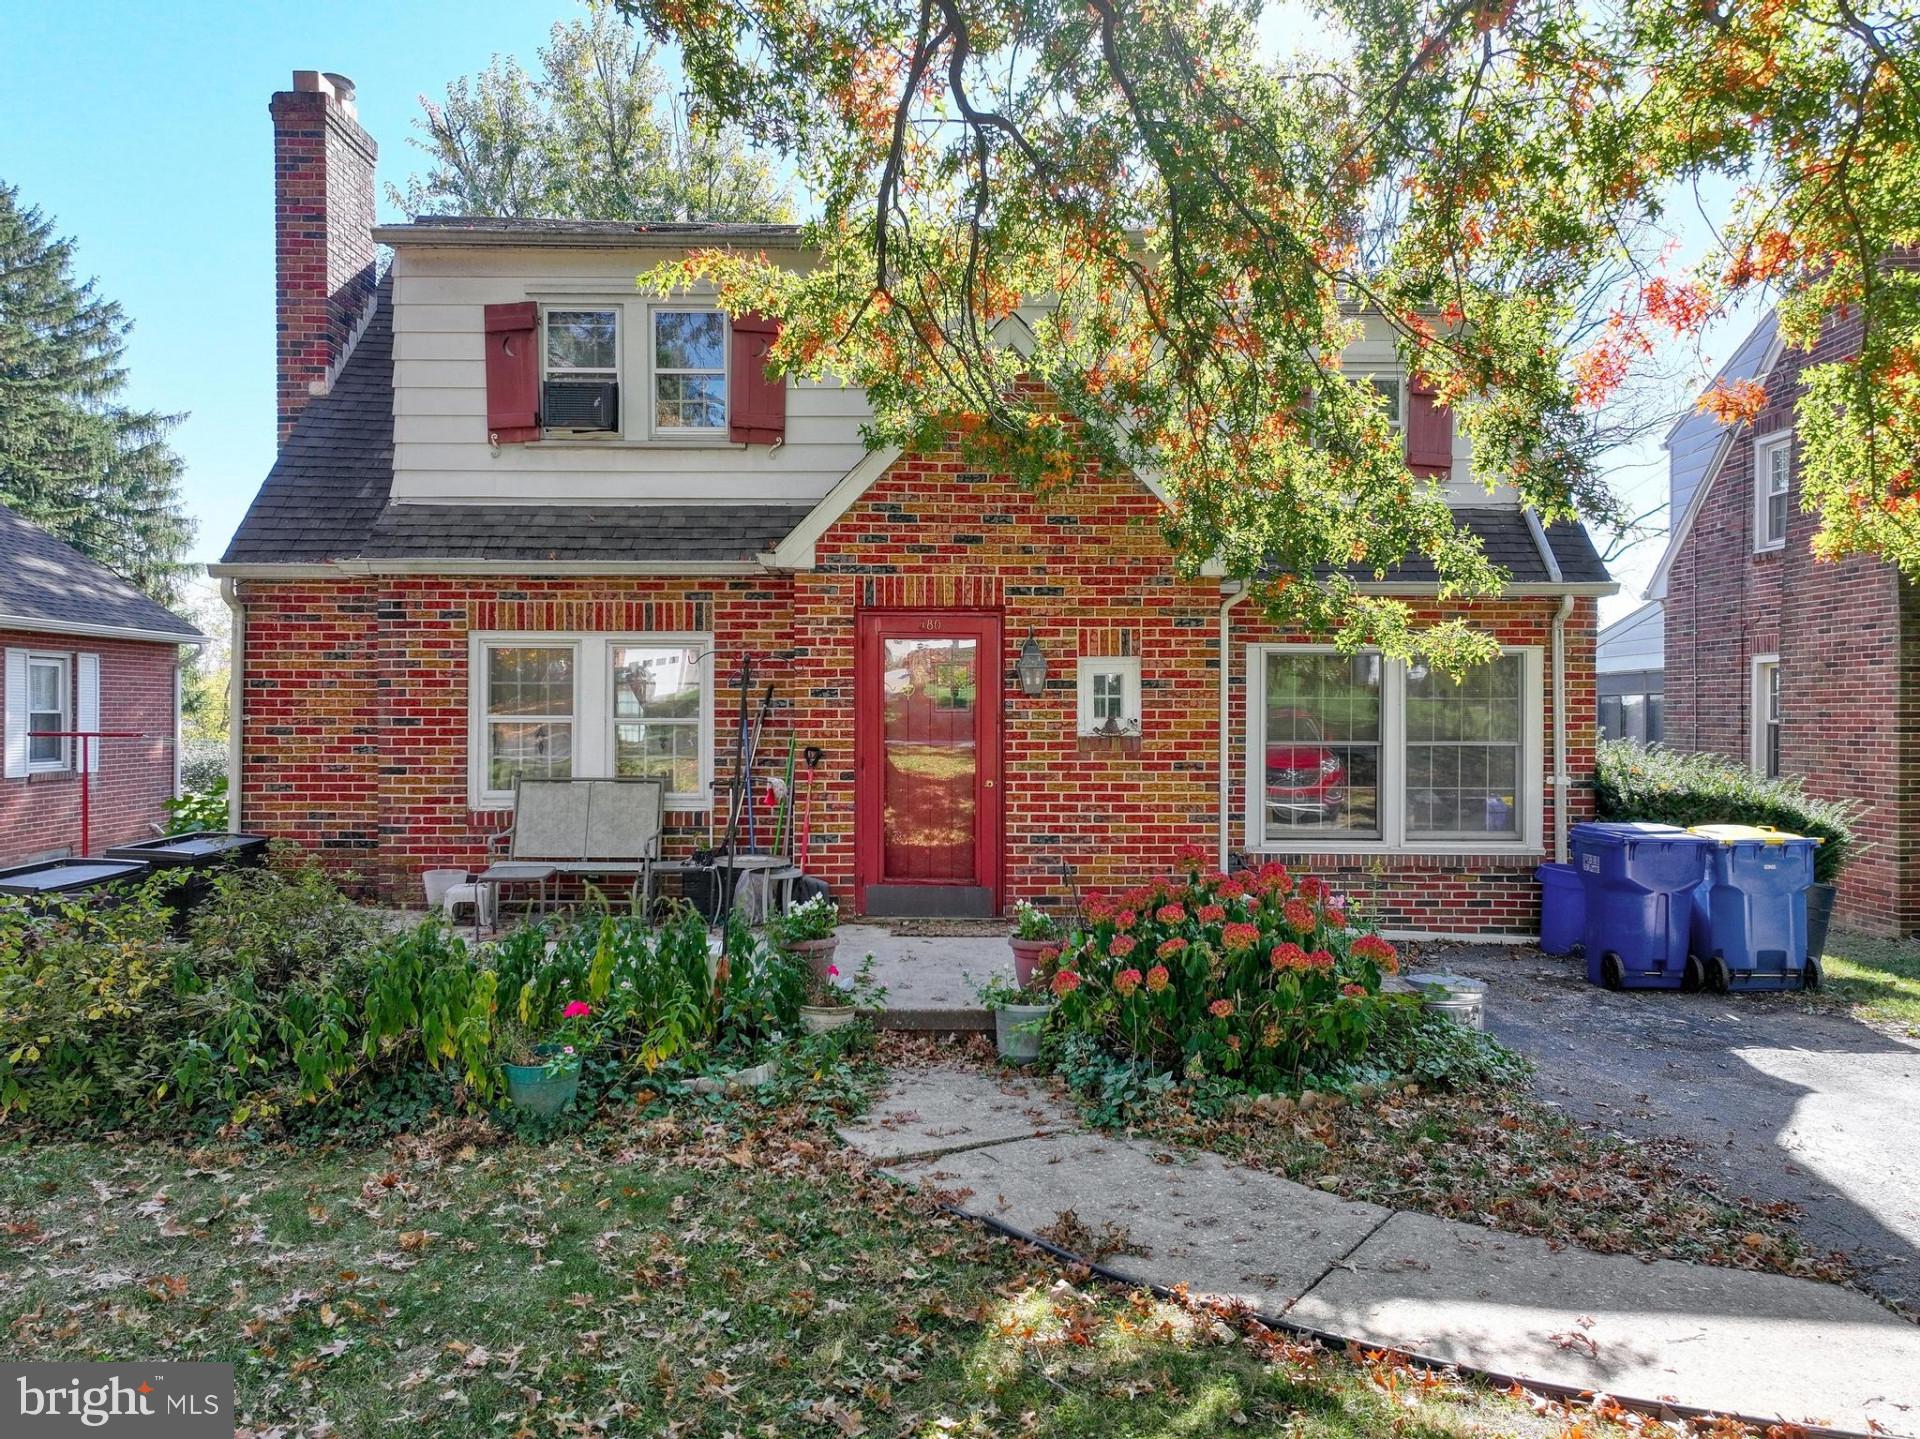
1454,995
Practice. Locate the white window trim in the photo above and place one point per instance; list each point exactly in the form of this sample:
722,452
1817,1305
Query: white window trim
1393,838
1756,720
68,716
1764,449
1128,668
547,372
592,706
1399,382
676,435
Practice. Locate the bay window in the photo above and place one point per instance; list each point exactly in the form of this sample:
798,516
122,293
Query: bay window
1357,751
548,706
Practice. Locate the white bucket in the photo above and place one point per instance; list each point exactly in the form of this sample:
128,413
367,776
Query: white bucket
439,881
1454,995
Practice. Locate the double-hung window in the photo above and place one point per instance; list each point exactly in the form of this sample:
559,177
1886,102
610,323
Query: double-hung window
582,390
689,372
1772,477
1766,715
1357,751
579,706
1392,389
49,711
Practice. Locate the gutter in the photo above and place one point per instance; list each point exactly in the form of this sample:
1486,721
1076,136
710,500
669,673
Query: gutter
102,632
1560,780
1239,593
336,569
236,690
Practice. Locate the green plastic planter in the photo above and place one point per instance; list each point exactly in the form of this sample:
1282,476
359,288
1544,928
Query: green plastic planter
543,1089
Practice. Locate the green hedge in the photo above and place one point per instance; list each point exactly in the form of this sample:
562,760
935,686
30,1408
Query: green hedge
1641,782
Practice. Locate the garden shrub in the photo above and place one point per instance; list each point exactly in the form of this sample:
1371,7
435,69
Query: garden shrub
1254,976
1654,783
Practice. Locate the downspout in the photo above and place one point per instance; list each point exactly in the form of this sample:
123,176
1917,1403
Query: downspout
236,676
1560,728
1239,593
1560,779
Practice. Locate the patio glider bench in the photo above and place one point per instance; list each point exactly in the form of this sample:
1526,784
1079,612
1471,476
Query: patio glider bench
588,827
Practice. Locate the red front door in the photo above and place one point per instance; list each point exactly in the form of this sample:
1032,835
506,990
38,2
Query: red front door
927,740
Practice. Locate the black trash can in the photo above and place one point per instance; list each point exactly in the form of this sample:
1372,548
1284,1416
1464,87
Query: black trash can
198,855
53,882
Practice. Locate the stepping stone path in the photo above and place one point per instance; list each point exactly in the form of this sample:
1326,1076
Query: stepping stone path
1762,1346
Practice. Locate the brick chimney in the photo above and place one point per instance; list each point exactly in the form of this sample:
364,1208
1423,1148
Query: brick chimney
322,231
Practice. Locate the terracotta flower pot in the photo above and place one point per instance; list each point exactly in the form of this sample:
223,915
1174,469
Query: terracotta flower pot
817,952
1026,956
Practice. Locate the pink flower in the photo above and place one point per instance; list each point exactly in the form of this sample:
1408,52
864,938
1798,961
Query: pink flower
833,971
1126,982
1127,918
1157,978
1122,945
1373,947
1239,938
1337,918
579,1009
1353,991
1313,887
1212,913
1170,914
1220,1008
1190,856
1320,959
1170,947
1298,915
1065,982
1232,889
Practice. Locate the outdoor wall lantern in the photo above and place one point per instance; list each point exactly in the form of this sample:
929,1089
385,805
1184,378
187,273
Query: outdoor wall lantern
1032,667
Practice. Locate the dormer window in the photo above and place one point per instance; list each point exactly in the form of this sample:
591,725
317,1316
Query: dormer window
581,391
689,372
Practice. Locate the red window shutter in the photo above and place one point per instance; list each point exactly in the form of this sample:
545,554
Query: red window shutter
1429,432
513,373
756,401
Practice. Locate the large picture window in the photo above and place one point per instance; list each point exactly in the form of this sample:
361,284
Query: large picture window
590,706
1358,751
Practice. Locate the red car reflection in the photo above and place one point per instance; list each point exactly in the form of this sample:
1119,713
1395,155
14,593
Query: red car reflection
1306,782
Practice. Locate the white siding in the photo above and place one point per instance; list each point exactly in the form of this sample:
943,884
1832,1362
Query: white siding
440,449
440,434
1634,642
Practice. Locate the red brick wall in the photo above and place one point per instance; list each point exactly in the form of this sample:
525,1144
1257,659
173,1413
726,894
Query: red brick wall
357,707
1848,637
40,815
356,728
323,165
1086,572
1489,892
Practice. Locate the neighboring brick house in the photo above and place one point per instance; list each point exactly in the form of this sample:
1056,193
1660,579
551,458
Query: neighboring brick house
471,560
1795,665
83,650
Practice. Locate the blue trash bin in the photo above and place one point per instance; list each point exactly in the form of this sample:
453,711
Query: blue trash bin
1750,917
1639,881
1563,908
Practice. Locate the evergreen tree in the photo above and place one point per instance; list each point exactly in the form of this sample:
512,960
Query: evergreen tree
594,135
73,459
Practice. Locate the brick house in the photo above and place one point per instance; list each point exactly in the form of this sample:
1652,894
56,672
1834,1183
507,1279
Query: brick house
83,650
528,520
1794,665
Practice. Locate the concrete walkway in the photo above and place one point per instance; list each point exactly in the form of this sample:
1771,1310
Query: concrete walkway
1761,1346
930,979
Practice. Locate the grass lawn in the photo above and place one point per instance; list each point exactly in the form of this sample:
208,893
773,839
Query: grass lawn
1877,979
710,1271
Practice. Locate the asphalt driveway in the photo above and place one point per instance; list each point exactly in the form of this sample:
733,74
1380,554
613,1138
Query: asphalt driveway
1777,1101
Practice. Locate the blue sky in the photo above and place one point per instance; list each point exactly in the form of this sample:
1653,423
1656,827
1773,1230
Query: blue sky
144,133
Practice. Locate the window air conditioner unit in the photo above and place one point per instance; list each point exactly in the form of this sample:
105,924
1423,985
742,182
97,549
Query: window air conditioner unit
580,405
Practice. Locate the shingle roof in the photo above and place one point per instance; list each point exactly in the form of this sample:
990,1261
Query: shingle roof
330,481
327,496
683,533
456,229
1508,541
49,580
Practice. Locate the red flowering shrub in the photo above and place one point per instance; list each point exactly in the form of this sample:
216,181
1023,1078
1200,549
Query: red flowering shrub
1258,976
